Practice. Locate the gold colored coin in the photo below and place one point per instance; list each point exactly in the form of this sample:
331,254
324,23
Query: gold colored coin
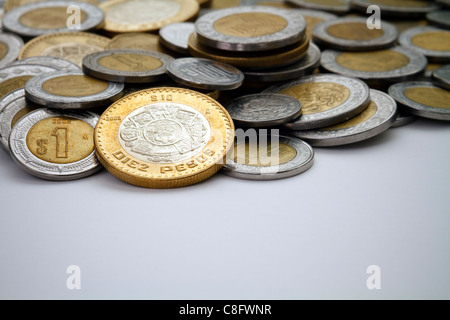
354,31
137,40
74,86
435,41
11,4
361,118
252,154
311,22
318,97
48,18
164,137
433,66
130,62
13,84
61,140
427,96
264,59
380,61
4,49
72,46
146,15
222,4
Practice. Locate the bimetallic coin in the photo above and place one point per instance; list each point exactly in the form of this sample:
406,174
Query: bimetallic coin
263,110
335,6
127,65
10,46
205,74
164,138
269,158
381,67
432,42
146,15
59,64
377,118
35,19
423,99
12,108
175,36
326,99
55,145
250,28
352,34
73,46
397,8
71,90
440,19
138,41
403,119
314,17
441,77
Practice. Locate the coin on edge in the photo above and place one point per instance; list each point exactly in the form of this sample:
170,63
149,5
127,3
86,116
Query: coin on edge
271,158
441,77
432,42
205,74
326,99
250,28
164,138
59,64
335,6
175,36
146,15
127,65
55,145
71,90
36,19
263,110
423,99
376,119
10,46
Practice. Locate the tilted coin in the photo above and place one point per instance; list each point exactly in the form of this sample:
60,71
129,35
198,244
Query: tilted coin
127,65
12,108
440,19
71,90
269,158
352,34
10,46
55,145
263,110
423,99
326,99
35,19
403,119
255,60
441,77
205,74
334,6
175,36
250,28
59,64
377,118
381,67
432,42
314,17
305,66
146,15
397,8
73,46
164,138
138,41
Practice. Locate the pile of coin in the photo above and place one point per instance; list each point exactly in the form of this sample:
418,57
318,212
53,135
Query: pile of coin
163,94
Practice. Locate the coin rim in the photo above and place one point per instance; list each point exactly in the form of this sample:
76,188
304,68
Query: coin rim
7,114
338,10
439,79
14,44
165,40
59,64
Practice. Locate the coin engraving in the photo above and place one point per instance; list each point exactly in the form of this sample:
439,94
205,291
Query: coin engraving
72,51
129,62
252,154
136,12
365,116
380,61
428,96
354,31
48,18
74,86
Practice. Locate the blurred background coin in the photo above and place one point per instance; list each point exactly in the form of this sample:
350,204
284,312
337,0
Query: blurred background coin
432,42
175,36
441,77
10,46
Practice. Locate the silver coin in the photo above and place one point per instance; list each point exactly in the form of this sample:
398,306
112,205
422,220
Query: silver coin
10,46
102,93
305,66
284,157
440,19
326,99
329,34
127,65
175,36
394,9
377,118
338,7
218,30
263,110
11,106
205,74
421,38
21,20
414,64
423,99
403,119
61,168
441,77
59,64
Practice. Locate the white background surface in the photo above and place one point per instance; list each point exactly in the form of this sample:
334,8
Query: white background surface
385,202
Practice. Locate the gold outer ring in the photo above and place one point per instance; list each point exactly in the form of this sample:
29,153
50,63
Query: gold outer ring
264,59
188,10
128,168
